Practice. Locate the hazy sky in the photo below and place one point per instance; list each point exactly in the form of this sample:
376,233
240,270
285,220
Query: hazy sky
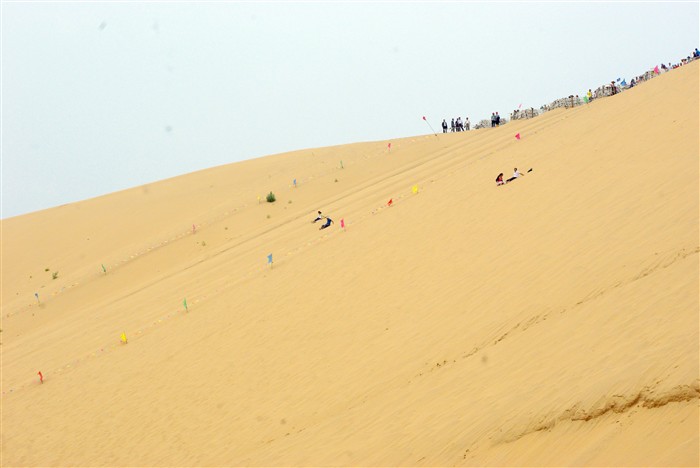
99,97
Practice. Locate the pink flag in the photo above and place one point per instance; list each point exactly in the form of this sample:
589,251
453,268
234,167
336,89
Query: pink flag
342,223
520,105
423,117
517,136
656,70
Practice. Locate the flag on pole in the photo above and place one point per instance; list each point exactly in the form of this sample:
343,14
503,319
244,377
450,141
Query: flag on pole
41,377
342,223
184,303
36,294
414,189
391,200
295,183
269,259
193,229
517,136
123,337
431,127
104,270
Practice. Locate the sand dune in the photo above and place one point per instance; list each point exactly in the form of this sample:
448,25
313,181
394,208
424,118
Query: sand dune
552,321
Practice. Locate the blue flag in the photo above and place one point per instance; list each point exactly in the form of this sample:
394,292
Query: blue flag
623,82
269,258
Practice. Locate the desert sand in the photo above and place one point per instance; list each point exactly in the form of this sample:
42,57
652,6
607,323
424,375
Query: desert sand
550,321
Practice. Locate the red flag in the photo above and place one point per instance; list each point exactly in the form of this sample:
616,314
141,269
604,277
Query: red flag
423,117
41,377
517,135
391,200
342,223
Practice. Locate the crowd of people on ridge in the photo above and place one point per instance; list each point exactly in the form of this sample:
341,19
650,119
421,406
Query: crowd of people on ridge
456,125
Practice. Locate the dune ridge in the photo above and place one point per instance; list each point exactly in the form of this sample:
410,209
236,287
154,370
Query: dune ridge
552,321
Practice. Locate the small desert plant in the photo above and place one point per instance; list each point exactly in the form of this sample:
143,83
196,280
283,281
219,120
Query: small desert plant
54,275
270,197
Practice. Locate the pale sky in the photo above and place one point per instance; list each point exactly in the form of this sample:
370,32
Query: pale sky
98,97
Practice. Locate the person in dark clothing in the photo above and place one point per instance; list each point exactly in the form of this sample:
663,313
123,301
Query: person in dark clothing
444,126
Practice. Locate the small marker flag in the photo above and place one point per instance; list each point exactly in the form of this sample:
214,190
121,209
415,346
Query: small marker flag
295,182
193,229
341,164
391,200
269,259
517,136
103,268
41,377
184,303
342,223
36,294
414,189
123,337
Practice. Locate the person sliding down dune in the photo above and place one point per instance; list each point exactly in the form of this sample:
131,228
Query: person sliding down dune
516,174
320,216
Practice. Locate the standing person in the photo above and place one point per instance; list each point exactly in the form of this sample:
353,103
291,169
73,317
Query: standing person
466,124
452,127
498,120
612,86
590,95
493,119
459,124
444,126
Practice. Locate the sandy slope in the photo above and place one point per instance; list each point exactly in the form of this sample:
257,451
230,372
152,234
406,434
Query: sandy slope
553,321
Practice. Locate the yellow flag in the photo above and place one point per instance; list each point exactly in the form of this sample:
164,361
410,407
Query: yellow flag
414,189
123,337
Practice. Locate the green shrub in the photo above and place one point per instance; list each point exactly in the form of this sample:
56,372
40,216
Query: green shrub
270,197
